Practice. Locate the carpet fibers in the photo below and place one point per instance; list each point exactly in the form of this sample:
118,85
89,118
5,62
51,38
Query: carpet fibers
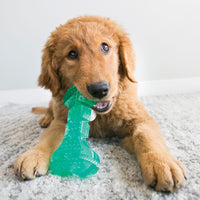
119,176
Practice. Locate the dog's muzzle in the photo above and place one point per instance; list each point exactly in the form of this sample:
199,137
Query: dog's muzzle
102,106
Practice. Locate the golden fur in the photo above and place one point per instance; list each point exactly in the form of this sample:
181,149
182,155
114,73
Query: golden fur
127,118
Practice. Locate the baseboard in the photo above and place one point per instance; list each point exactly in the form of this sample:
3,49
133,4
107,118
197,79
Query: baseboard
147,88
25,96
170,86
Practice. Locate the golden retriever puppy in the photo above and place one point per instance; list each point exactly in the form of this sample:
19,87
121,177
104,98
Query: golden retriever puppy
95,55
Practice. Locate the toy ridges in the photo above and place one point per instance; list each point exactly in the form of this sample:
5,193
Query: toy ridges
74,156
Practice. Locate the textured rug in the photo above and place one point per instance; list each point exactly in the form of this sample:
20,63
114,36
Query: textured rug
119,176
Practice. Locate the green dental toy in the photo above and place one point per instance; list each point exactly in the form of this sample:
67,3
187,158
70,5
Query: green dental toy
74,156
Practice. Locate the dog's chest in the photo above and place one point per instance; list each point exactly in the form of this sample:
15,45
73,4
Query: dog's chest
107,126
119,122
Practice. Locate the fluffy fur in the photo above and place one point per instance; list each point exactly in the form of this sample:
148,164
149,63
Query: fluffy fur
127,117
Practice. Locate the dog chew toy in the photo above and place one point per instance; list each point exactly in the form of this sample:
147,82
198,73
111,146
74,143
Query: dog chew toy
74,156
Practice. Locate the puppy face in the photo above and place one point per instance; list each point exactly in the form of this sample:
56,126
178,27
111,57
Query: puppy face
92,54
90,62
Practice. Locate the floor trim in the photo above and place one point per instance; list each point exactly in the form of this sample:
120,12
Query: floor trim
170,86
147,88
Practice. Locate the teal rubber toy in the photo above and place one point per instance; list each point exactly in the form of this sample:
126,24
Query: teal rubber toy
74,156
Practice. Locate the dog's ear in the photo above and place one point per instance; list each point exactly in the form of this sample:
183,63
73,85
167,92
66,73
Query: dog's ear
48,77
126,56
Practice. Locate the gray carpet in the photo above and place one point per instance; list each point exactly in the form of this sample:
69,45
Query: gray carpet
119,176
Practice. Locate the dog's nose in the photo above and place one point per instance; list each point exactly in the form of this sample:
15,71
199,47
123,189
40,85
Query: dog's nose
99,89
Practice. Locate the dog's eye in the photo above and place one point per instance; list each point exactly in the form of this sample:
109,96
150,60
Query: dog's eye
72,55
105,48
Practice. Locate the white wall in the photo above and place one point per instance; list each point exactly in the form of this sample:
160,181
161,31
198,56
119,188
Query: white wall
165,34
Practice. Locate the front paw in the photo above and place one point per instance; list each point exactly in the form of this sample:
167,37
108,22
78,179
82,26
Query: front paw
31,164
162,171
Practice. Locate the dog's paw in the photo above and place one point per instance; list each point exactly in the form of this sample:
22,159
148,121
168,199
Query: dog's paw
45,120
162,172
31,164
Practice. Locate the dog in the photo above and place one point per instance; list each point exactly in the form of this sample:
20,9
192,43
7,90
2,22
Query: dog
95,54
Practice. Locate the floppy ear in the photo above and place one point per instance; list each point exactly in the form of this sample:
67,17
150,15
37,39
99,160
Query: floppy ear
48,77
126,55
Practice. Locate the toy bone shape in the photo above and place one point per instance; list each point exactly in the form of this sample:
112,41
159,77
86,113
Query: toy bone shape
74,156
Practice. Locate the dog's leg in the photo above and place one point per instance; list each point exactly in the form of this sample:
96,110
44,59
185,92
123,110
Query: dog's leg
46,120
159,168
35,161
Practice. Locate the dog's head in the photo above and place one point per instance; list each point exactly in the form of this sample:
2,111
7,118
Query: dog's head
92,53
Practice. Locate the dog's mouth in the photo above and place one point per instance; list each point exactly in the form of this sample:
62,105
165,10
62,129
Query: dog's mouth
102,106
